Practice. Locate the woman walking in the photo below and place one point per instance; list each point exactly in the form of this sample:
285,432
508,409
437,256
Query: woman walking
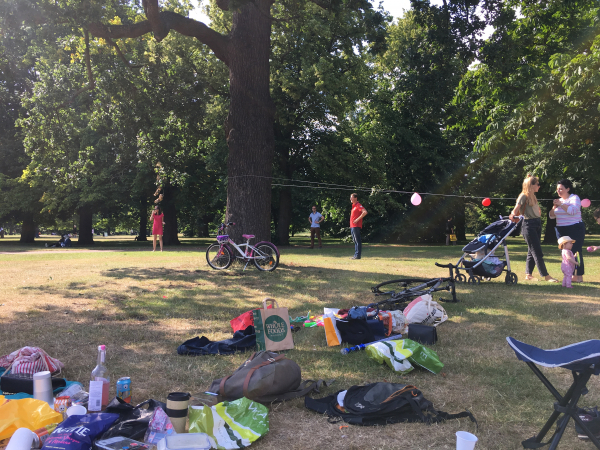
157,228
567,212
528,207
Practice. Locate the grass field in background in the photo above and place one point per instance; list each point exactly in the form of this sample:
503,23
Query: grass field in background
142,305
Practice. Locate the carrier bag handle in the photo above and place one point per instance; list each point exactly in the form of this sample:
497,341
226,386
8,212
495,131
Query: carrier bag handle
272,301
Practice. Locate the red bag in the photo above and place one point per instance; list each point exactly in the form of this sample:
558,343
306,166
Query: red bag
245,320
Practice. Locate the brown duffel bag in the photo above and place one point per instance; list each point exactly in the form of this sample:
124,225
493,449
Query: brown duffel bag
266,377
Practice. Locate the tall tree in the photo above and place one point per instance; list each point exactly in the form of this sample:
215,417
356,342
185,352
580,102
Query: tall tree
245,49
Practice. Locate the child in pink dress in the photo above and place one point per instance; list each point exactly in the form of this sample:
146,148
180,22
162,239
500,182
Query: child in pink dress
565,243
157,218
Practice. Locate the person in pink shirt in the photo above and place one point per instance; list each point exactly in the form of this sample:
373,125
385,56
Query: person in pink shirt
565,244
157,217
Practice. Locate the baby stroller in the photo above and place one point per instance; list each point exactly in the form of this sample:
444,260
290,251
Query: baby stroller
482,262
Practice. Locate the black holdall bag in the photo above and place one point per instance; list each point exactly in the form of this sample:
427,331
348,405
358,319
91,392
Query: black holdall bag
381,404
423,334
266,377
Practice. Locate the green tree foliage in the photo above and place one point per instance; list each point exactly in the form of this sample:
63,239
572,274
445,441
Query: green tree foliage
534,99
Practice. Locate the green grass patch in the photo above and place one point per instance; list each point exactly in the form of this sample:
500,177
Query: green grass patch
142,305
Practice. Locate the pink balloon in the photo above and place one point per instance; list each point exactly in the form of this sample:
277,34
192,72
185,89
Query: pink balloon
586,202
416,199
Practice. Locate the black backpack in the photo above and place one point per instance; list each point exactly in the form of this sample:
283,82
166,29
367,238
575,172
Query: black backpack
380,404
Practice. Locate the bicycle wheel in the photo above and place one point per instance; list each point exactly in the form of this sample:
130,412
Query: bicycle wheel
267,256
219,257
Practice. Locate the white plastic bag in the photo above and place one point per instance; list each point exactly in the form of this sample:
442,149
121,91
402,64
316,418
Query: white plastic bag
425,311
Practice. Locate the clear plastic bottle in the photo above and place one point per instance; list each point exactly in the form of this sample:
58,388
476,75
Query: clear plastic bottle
99,374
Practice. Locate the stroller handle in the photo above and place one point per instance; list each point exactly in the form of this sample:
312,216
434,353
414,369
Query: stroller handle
514,217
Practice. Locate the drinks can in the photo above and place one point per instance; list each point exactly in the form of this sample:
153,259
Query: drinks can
61,404
124,389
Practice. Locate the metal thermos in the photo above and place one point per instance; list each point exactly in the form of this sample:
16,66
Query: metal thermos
177,409
42,387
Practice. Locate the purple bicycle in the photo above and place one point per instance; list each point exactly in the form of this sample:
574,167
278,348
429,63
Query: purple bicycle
220,256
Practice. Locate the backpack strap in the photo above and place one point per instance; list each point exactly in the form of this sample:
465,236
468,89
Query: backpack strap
222,385
400,392
304,388
251,372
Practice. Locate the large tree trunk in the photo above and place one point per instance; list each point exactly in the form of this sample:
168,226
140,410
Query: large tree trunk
285,217
170,211
459,219
85,227
28,229
249,124
143,218
550,232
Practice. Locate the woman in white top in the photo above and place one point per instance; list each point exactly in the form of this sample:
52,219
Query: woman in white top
567,212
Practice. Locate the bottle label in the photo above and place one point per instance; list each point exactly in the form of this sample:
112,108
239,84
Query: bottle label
95,400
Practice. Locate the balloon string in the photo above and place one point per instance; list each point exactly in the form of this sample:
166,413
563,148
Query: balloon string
343,187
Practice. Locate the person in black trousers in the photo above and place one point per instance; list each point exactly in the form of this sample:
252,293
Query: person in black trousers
528,207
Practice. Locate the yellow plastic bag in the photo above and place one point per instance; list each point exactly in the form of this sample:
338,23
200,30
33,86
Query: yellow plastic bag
25,413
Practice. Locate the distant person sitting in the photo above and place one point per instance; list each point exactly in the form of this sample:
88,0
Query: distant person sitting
65,241
315,219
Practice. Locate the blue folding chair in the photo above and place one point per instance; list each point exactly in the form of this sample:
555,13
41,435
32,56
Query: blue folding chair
583,360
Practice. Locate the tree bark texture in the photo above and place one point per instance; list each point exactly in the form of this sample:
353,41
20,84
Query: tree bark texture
170,211
459,219
85,226
249,125
549,232
143,219
28,229
285,217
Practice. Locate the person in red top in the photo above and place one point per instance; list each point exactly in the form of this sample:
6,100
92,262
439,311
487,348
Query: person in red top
356,217
157,227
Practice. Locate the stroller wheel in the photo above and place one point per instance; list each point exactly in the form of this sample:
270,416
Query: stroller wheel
473,280
511,278
461,278
488,278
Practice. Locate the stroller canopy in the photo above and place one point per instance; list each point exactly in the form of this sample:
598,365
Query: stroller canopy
488,237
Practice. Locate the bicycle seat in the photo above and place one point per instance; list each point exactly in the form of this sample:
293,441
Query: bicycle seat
247,236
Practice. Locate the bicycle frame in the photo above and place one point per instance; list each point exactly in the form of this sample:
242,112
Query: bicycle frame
248,254
246,251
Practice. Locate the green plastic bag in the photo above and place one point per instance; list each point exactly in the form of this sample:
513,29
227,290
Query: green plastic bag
230,425
423,356
399,354
392,354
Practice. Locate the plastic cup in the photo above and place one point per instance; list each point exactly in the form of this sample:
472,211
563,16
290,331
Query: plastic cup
76,410
465,440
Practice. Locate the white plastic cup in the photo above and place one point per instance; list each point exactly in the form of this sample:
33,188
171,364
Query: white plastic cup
465,440
76,410
42,387
23,439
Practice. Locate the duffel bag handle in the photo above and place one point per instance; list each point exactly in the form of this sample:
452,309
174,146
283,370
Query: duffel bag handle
272,301
251,372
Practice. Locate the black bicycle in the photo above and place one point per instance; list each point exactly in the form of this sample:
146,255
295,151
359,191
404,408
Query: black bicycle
406,290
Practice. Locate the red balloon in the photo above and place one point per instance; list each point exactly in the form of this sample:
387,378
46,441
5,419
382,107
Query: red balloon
486,202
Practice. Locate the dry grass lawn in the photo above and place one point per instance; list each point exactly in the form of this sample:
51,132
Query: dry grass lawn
142,305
